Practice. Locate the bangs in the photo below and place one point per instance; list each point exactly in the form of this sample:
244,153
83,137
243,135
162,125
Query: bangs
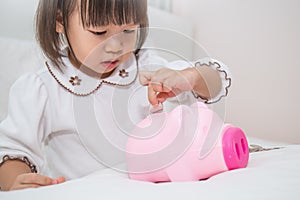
118,12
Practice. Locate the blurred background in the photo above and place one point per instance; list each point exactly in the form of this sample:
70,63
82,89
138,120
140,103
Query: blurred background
257,39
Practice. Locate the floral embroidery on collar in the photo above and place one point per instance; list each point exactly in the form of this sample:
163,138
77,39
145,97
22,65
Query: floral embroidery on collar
75,80
123,73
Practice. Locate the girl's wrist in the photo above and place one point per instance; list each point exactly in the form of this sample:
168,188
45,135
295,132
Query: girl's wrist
194,77
198,83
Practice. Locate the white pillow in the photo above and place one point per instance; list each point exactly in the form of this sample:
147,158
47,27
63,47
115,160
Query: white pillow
16,58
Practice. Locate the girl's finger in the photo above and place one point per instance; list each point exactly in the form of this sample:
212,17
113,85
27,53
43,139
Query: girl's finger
162,96
160,87
37,179
43,181
152,96
61,180
157,87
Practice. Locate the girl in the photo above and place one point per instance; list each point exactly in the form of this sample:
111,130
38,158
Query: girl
94,52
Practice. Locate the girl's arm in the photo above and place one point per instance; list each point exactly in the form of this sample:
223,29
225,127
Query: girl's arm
22,134
166,83
207,78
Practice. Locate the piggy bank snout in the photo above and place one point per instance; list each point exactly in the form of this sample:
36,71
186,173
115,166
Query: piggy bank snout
235,148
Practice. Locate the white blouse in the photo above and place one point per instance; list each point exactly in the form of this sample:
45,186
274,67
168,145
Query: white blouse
63,134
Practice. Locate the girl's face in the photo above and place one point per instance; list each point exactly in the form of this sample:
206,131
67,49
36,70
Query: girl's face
101,49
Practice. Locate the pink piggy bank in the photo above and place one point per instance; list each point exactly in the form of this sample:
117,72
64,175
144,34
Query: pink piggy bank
190,143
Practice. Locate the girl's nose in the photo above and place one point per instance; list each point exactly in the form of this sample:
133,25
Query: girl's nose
113,45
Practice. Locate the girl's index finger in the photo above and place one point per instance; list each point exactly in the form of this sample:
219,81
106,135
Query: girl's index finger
61,180
152,95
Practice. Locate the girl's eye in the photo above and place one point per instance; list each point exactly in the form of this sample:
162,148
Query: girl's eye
99,33
129,31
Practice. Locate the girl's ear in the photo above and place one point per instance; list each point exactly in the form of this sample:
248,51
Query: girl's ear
59,23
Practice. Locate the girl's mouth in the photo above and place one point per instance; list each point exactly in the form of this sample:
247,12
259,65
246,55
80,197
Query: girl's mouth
110,64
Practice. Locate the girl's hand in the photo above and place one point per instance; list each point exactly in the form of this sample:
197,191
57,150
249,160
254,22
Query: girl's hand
166,83
32,180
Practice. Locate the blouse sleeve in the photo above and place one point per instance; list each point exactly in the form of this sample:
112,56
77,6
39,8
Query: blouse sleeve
224,74
152,62
22,132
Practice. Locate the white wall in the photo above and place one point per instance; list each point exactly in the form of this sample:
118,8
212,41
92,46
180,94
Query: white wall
260,41
16,18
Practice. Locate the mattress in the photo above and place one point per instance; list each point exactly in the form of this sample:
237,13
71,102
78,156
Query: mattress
273,174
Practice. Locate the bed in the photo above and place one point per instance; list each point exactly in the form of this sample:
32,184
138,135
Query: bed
273,174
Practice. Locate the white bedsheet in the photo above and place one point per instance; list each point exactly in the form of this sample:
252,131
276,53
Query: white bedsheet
270,175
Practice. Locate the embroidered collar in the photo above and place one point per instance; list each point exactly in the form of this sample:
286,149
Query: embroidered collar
80,84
